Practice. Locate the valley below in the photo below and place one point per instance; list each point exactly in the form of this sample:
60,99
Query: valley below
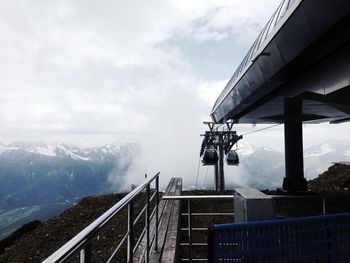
39,181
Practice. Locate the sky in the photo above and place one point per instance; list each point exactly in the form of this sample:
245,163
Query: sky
95,72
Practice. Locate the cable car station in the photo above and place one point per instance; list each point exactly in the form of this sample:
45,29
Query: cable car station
297,71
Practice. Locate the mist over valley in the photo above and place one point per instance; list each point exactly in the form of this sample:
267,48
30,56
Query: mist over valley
40,180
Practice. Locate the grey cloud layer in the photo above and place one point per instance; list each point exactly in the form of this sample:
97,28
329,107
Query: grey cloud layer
85,66
137,70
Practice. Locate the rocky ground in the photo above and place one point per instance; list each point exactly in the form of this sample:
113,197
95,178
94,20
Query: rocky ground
45,238
37,240
335,179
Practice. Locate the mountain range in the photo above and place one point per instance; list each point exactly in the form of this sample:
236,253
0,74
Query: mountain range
39,180
264,167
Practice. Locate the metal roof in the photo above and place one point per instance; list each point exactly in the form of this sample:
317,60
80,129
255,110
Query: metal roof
303,51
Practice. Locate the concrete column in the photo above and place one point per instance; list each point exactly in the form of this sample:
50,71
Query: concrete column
293,141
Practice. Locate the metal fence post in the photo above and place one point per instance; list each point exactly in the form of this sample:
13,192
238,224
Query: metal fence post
157,216
147,222
324,205
189,230
85,254
130,232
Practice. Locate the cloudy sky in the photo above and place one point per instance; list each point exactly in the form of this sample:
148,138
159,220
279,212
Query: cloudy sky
147,71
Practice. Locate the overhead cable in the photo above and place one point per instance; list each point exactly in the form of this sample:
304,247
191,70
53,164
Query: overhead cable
262,129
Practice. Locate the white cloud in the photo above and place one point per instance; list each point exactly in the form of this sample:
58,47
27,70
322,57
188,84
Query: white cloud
210,90
80,66
242,20
89,70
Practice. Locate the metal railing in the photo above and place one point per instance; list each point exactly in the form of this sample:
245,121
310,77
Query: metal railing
322,238
189,229
302,197
81,243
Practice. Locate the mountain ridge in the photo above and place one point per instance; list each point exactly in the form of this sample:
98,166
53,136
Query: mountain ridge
263,167
37,176
63,149
38,180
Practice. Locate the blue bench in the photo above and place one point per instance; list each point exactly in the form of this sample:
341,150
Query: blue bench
324,238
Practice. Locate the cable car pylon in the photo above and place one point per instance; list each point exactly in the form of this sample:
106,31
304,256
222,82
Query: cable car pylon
217,143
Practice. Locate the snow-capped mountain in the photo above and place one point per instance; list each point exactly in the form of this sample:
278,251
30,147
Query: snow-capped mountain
36,178
264,167
65,150
2,147
245,149
333,146
25,165
318,158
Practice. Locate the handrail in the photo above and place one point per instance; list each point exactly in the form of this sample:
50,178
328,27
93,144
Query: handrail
189,229
296,196
187,197
84,237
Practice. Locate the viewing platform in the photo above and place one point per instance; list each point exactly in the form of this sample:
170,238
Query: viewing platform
171,228
174,226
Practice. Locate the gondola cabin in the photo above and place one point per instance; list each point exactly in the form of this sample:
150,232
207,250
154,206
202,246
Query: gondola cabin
210,157
232,158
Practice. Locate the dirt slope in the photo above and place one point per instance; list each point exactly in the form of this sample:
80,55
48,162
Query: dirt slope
335,179
47,237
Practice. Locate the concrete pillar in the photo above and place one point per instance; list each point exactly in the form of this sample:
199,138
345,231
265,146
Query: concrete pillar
293,141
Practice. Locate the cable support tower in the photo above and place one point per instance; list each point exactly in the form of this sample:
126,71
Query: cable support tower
215,145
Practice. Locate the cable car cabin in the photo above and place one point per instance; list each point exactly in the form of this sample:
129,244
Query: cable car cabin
210,157
232,158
